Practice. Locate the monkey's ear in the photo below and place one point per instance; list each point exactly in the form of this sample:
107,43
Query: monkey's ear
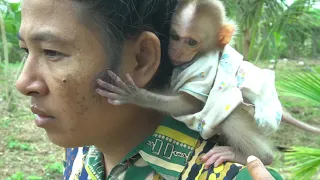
147,56
225,35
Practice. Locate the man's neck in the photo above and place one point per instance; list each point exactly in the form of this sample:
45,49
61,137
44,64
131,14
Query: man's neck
131,136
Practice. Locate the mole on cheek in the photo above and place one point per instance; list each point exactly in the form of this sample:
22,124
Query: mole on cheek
64,81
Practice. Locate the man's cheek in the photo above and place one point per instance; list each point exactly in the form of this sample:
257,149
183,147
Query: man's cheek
70,94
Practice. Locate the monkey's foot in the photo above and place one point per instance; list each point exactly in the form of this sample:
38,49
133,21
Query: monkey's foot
219,154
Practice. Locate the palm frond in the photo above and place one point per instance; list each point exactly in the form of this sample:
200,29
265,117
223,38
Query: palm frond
303,162
305,85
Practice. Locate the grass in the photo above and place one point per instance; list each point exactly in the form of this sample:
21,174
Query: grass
26,153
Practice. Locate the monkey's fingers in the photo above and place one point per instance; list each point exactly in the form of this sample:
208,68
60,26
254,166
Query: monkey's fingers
130,80
110,95
132,85
214,150
219,157
205,157
223,157
111,87
115,102
118,81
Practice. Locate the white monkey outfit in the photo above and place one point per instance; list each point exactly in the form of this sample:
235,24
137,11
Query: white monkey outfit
222,83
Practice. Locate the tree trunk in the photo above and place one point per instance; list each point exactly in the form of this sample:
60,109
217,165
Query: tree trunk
315,43
246,43
6,56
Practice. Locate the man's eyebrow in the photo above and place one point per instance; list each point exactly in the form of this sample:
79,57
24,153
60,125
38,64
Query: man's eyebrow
44,36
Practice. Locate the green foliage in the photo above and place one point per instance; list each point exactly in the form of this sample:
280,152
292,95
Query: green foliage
305,85
302,162
270,29
17,176
5,122
55,168
12,18
35,178
15,144
22,176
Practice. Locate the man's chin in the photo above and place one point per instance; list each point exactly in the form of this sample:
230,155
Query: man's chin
63,140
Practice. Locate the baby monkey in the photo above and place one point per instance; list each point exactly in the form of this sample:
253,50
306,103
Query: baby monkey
214,90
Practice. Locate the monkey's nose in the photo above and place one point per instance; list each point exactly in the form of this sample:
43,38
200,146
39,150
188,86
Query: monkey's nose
176,56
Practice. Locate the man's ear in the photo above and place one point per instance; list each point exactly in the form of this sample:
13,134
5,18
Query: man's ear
148,55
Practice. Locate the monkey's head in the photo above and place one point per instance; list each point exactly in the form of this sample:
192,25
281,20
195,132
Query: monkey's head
198,27
183,47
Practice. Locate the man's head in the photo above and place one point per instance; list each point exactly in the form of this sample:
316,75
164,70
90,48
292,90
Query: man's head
69,44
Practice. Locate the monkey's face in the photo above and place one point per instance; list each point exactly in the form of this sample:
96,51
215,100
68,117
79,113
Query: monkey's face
182,49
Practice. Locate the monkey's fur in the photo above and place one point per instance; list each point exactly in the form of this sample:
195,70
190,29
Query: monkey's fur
239,128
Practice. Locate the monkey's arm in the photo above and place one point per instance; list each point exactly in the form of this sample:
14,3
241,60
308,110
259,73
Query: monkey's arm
124,93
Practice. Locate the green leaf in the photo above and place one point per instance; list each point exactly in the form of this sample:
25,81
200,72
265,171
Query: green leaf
34,178
14,6
10,26
302,85
304,162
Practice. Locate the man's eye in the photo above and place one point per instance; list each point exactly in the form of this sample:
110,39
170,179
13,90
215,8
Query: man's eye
192,42
53,54
175,37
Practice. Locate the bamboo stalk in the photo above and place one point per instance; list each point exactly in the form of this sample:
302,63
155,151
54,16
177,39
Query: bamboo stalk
15,79
6,55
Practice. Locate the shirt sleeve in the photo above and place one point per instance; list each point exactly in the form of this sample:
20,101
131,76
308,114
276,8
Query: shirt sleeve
258,86
245,175
197,79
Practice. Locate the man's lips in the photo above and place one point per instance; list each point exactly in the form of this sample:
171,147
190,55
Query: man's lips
43,119
40,112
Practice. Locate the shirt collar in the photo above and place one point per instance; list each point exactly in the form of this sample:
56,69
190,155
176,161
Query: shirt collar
170,148
167,151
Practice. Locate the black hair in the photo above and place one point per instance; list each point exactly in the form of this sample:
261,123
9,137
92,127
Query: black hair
118,20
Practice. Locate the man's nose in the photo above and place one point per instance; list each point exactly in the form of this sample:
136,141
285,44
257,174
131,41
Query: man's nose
30,81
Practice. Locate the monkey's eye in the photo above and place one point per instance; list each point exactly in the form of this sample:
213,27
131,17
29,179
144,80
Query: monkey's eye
175,37
192,42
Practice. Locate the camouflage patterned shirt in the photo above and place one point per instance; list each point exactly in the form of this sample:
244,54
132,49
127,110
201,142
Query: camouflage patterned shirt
173,152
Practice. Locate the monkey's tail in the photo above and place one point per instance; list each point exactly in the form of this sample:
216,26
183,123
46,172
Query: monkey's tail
241,134
287,118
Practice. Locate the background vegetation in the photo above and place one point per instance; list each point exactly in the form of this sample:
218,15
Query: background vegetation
279,34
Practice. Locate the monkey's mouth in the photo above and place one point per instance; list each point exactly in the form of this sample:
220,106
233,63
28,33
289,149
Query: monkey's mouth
176,63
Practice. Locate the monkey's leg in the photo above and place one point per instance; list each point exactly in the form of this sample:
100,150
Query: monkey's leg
242,134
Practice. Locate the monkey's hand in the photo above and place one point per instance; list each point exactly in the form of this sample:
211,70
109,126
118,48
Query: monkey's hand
220,154
122,93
